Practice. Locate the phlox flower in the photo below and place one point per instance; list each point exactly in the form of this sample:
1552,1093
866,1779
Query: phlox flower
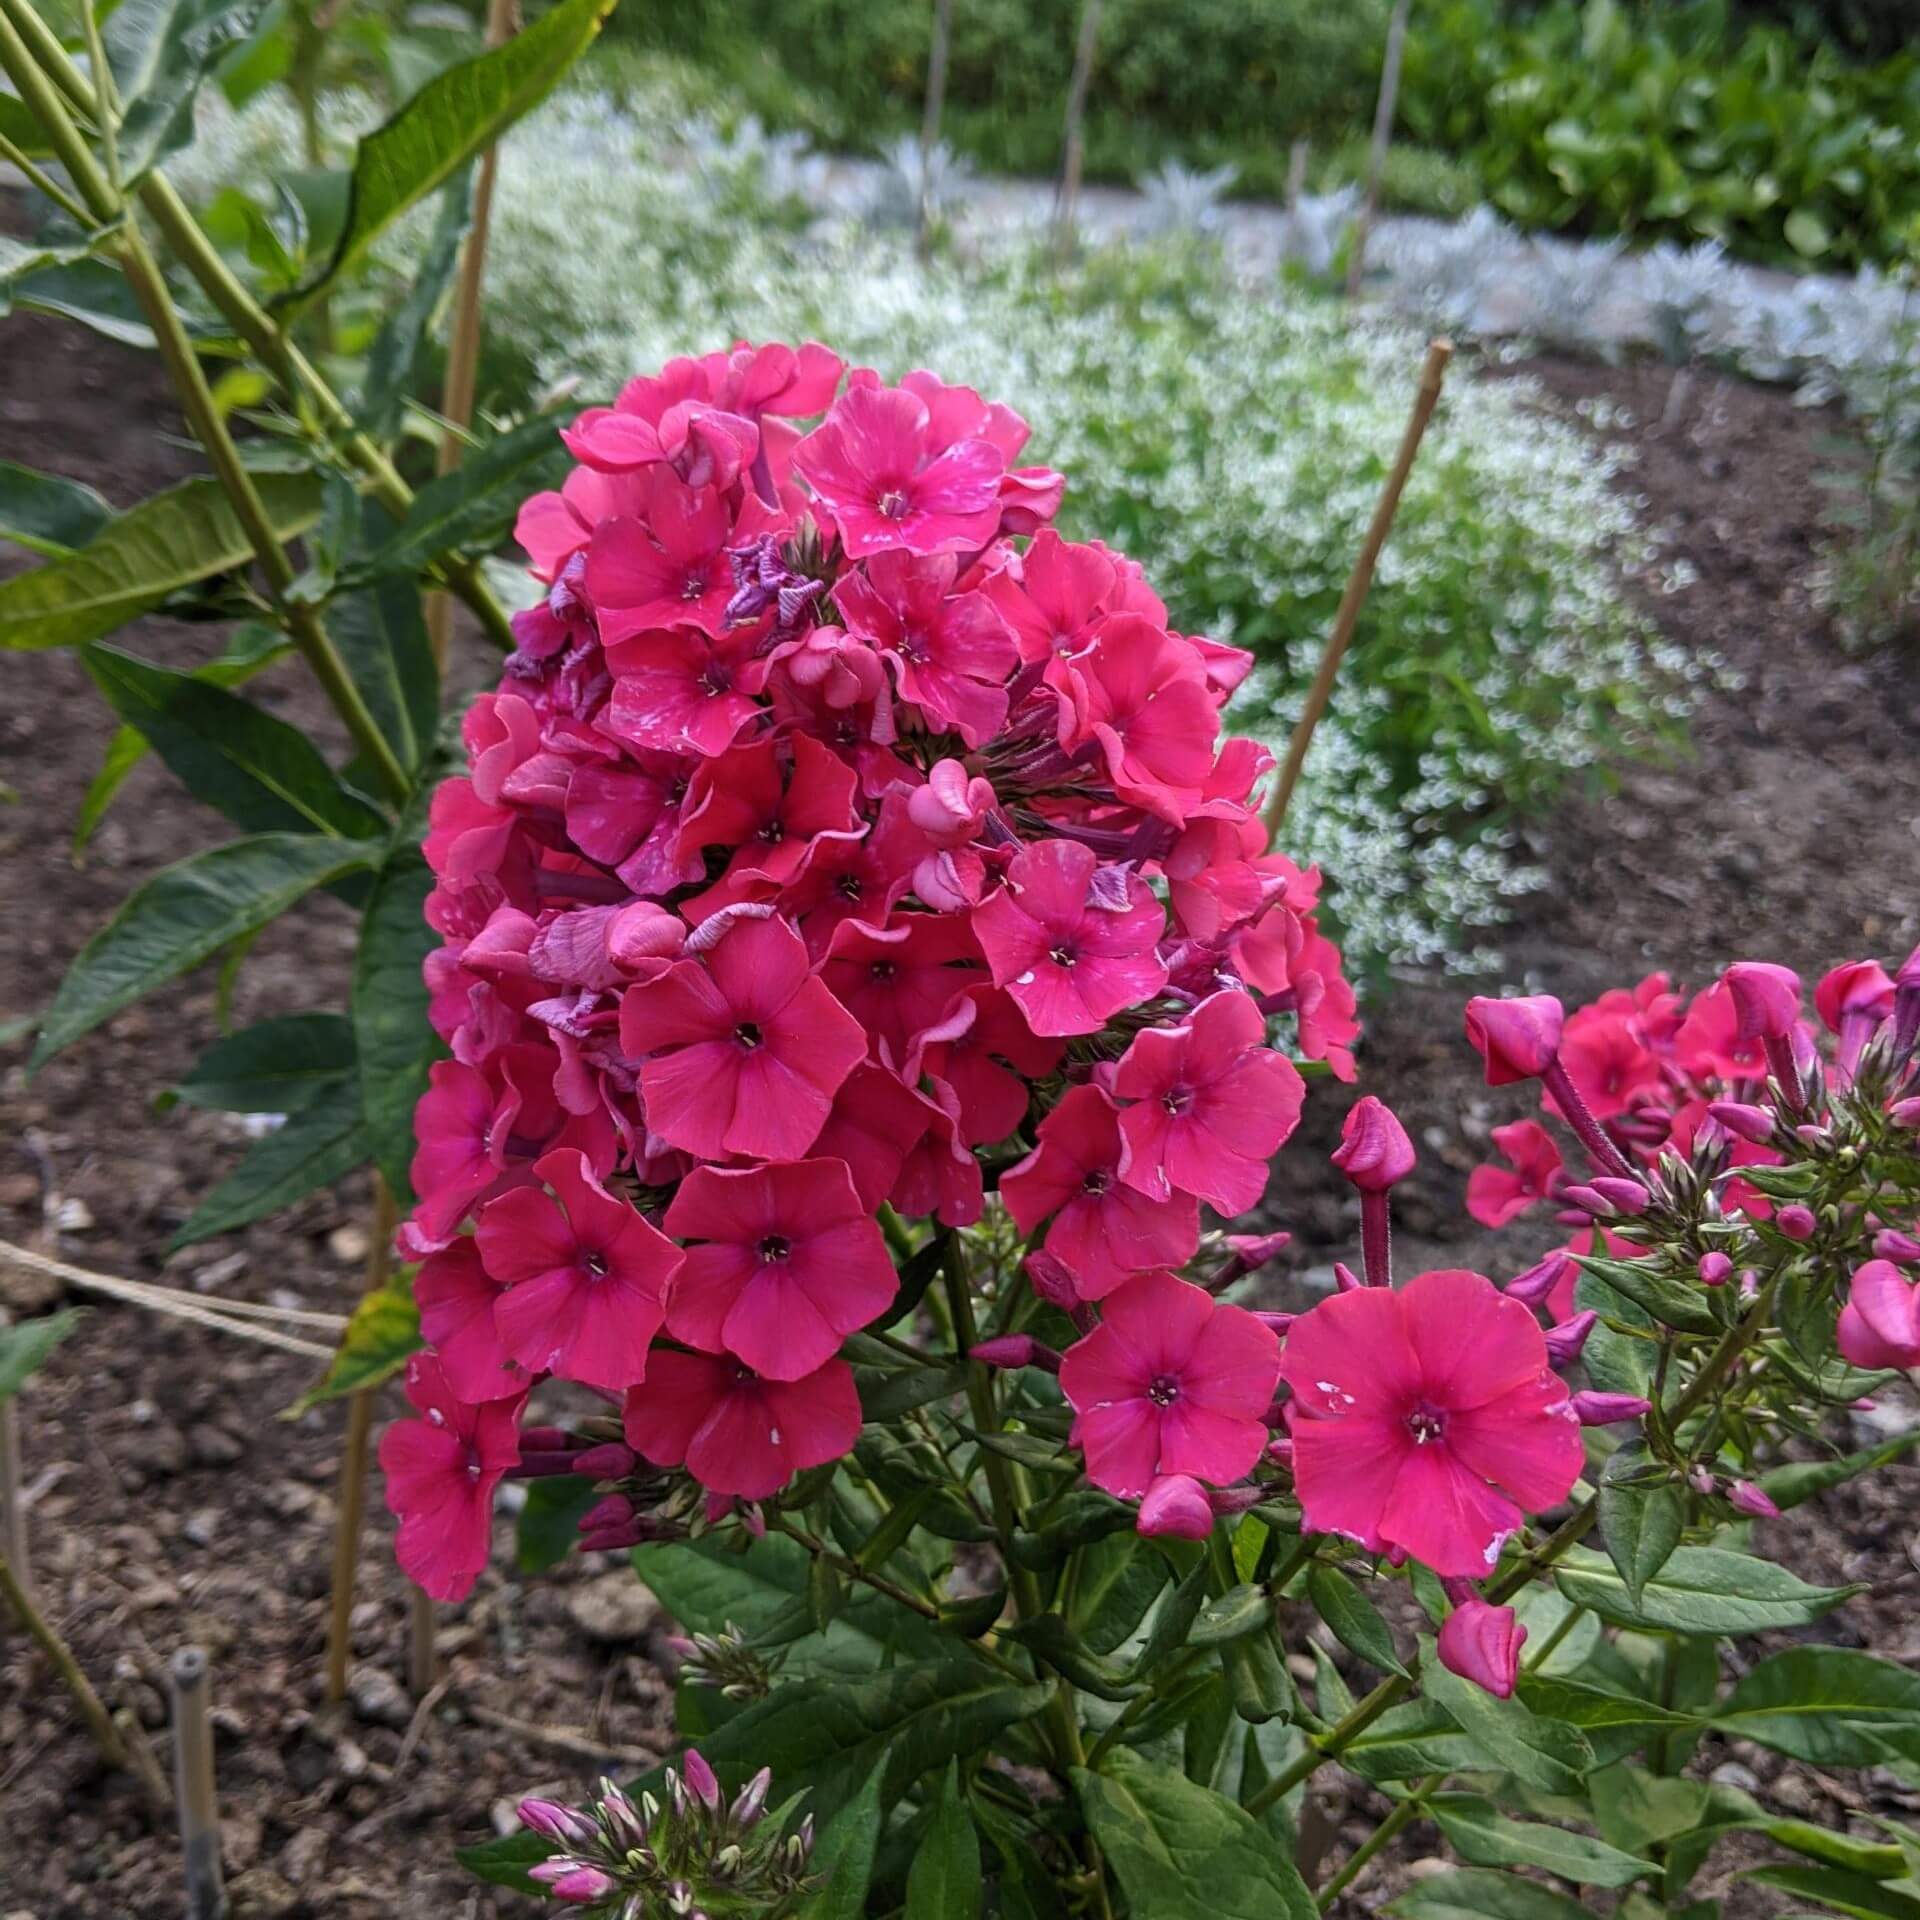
1426,1420
1170,1382
668,567
1880,1324
1496,1195
456,1296
676,691
900,979
441,1471
985,1051
789,1263
770,821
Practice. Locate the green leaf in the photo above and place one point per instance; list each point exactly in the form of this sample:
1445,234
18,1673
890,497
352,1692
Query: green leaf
160,52
1707,1590
549,1526
88,291
1355,1622
944,1882
264,775
1182,1852
48,514
186,534
1807,234
383,1332
1554,1758
1640,1522
1877,1862
1062,1649
1850,1893
1635,1808
1120,1578
1788,1486
321,1143
1615,1724
21,261
393,361
381,634
275,1067
1671,1302
252,646
475,504
393,1040
455,116
185,914
1172,1618
1485,1837
1236,1613
25,1346
1828,1706
843,1860
1476,1895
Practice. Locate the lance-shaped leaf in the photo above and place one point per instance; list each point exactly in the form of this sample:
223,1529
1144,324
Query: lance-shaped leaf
1355,1621
1844,1892
1483,1836
263,774
1800,1480
88,291
46,513
275,1067
184,535
1183,1852
1641,1516
186,914
320,1143
1828,1706
24,1348
1701,1590
1474,1894
382,636
945,1881
1554,1758
160,52
394,1042
19,259
456,115
383,1332
397,349
843,1861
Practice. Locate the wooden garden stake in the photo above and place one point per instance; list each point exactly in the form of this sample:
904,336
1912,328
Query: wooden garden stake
463,345
1296,175
13,1506
423,1659
1439,352
193,1785
1067,209
1382,135
353,1464
930,119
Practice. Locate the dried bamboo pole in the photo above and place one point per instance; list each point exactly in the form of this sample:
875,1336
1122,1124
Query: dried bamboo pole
423,1655
1432,374
193,1785
1067,208
1382,137
352,1497
930,117
13,1505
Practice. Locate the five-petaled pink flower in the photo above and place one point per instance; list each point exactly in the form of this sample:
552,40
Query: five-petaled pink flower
586,1277
742,1051
789,1263
1170,1382
441,1472
1073,942
1211,1104
1427,1421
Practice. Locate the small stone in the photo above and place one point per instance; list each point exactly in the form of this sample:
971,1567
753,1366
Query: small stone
1429,1868
261,1894
214,1447
348,1244
240,1837
505,1816
69,1215
202,1526
379,1697
25,1290
614,1609
304,1856
350,1759
1730,1773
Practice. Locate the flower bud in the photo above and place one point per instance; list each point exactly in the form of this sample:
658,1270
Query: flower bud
1482,1643
573,1881
552,1821
1749,1499
1565,1341
1796,1222
1374,1151
1891,1244
642,934
1176,1506
1532,1287
700,1777
950,807
1345,1279
1515,1039
1906,1007
610,1462
1626,1196
1052,1280
1594,1409
1590,1201
1743,1120
1906,1113
751,1800
1013,1350
1879,1326
1701,1480
1249,1252
1766,999
1856,990
1714,1269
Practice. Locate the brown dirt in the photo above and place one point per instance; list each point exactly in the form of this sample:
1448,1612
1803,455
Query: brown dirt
170,1505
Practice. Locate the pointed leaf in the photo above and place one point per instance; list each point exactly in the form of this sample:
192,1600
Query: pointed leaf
1182,1852
1702,1590
1640,1524
1554,1758
944,1882
24,1347
186,914
843,1860
88,291
382,636
170,541
1355,1622
1800,1480
383,1332
456,115
1477,1895
394,359
1828,1706
46,513
394,1042
1483,1836
321,1143
275,1067
160,52
1849,1893
549,1527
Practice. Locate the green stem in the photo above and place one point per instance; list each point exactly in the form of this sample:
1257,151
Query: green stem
106,1736
43,182
43,103
1403,1815
852,1569
302,623
109,94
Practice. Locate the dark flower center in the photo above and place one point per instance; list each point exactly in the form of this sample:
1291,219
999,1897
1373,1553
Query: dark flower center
848,886
883,970
693,586
776,1246
893,504
596,1264
747,1034
715,679
1177,1100
1063,955
1426,1423
1097,1182
1163,1390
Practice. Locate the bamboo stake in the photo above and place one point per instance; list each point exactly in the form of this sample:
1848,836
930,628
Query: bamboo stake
1296,175
1439,352
463,344
423,1656
13,1506
353,1465
1067,210
193,1785
930,118
1382,135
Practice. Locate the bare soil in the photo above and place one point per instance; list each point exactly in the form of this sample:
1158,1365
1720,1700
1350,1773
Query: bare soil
171,1505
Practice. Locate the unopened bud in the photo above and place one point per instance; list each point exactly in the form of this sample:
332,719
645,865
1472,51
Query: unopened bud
1565,1341
552,1821
1345,1279
1626,1196
1750,1499
1013,1350
1589,1200
1743,1120
1906,1113
1249,1252
1796,1222
1532,1287
1714,1269
1374,1151
1593,1409
1891,1244
700,1777
610,1462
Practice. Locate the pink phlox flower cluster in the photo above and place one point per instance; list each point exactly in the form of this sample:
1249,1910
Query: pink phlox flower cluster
829,799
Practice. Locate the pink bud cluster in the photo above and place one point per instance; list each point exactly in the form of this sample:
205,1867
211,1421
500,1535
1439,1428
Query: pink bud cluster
838,838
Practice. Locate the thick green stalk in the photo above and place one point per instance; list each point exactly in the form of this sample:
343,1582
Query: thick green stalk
302,623
43,103
43,182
